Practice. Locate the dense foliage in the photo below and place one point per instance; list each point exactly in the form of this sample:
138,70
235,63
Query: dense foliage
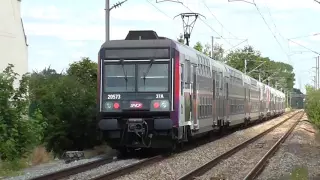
19,134
57,110
312,105
68,102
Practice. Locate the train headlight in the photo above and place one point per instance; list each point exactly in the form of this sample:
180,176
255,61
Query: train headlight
111,105
108,105
160,105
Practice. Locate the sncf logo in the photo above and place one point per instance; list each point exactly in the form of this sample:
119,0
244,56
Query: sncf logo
135,104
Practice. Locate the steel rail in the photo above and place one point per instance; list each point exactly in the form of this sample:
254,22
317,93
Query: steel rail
209,165
128,169
74,170
263,161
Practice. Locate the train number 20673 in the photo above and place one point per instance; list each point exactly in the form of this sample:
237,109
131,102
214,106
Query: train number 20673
114,96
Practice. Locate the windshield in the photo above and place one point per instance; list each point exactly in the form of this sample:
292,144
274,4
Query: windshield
153,77
119,78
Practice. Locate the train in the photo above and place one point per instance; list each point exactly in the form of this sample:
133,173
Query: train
156,93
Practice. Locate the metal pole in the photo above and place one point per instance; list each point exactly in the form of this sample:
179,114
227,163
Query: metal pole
259,77
107,20
212,39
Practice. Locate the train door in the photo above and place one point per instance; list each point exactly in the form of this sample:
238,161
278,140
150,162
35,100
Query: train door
221,96
194,101
181,97
245,102
218,96
226,95
214,111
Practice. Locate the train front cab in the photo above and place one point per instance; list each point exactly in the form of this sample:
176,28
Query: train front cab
137,97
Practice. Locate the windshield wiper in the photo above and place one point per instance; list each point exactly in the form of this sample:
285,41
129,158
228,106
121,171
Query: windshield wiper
125,74
146,73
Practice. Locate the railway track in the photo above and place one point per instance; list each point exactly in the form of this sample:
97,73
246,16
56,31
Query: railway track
65,173
257,169
74,169
128,169
199,171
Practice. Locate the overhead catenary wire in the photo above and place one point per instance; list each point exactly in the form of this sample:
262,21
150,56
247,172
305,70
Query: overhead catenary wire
220,36
274,24
258,9
159,9
305,47
208,25
304,36
218,20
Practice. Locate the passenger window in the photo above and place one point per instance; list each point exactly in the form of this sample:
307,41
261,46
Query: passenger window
188,71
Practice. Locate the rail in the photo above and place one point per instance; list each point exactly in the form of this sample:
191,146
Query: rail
206,167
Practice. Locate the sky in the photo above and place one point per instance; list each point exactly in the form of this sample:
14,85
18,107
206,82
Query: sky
60,32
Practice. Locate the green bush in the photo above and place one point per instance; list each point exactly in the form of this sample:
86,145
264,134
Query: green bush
18,133
68,103
312,105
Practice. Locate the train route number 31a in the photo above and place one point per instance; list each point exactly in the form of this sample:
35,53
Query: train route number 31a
159,96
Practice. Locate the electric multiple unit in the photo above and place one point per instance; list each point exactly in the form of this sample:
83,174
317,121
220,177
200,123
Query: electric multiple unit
155,92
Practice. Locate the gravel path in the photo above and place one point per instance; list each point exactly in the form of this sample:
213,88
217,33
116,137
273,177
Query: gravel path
299,153
176,166
49,168
104,169
239,165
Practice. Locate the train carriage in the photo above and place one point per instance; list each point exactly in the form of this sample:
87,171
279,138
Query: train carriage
154,92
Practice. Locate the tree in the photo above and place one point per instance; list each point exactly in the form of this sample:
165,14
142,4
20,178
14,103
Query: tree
218,52
198,46
18,133
280,74
180,39
312,105
207,49
68,103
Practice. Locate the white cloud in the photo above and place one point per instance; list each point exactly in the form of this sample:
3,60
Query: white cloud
43,12
75,32
297,43
77,55
76,43
140,12
45,53
315,37
289,4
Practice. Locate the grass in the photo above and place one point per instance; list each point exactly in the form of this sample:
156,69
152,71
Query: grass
13,168
300,173
99,150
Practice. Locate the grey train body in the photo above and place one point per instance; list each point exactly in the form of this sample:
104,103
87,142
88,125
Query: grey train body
155,92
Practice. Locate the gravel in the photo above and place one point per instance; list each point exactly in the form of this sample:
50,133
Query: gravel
300,152
239,165
50,167
179,164
104,169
